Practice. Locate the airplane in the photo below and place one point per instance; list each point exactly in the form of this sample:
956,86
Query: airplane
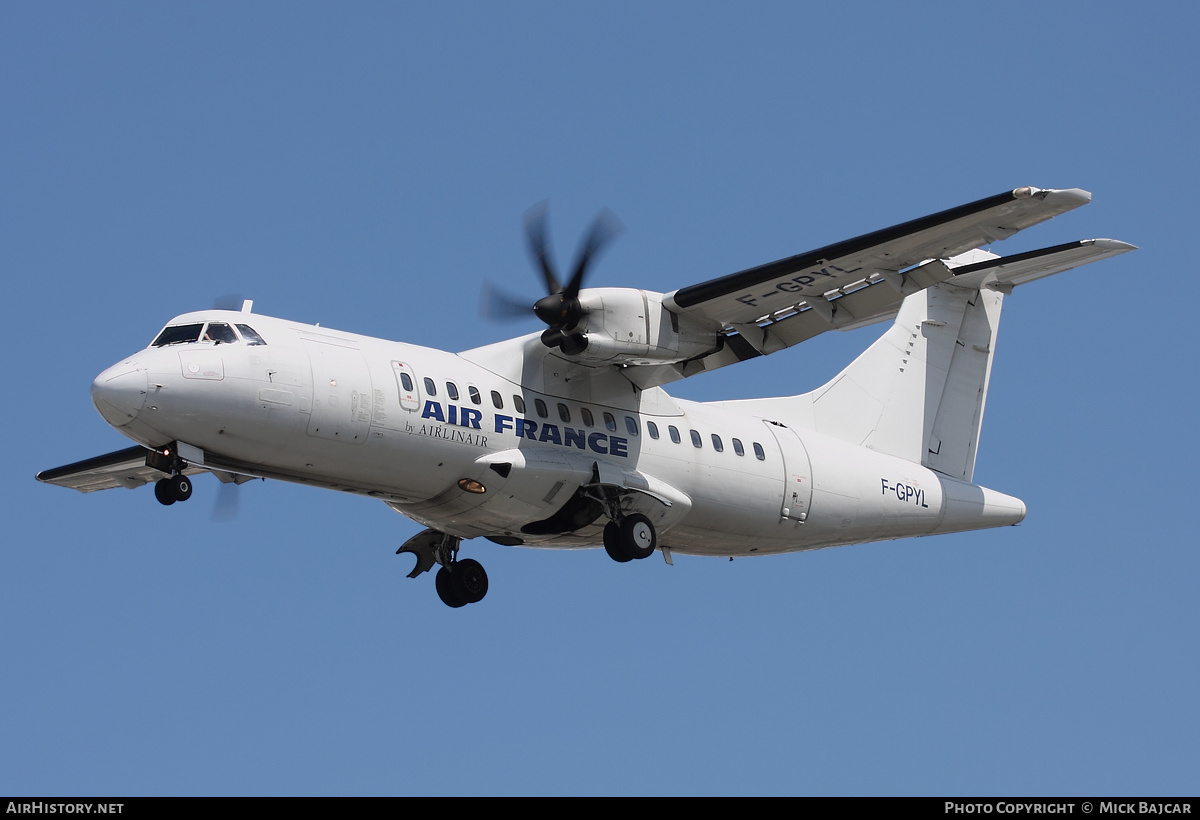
567,439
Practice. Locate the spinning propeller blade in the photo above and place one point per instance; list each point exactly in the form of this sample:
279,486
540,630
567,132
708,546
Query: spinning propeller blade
559,308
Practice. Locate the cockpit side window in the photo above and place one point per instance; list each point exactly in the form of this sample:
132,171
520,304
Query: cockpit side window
220,333
250,336
178,334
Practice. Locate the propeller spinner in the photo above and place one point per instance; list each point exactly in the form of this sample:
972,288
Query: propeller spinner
560,308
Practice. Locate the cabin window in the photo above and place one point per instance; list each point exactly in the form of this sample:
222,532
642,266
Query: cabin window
718,445
541,408
220,333
179,334
452,391
564,413
697,442
738,448
474,393
652,429
674,431
407,381
759,453
631,425
587,417
430,387
497,400
610,422
250,336
519,403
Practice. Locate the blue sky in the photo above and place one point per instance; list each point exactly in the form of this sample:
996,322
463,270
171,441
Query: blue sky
367,167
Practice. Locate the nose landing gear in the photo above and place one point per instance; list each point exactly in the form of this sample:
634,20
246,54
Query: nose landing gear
461,583
458,583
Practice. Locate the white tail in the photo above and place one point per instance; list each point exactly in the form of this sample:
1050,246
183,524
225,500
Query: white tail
919,391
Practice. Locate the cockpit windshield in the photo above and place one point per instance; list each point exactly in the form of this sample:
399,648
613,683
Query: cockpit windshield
218,333
178,334
250,336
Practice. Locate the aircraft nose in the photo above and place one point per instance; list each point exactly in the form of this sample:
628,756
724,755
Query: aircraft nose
120,392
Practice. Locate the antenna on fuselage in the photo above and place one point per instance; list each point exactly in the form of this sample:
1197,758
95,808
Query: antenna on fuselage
247,305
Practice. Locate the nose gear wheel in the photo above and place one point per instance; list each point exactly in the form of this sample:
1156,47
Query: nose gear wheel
458,583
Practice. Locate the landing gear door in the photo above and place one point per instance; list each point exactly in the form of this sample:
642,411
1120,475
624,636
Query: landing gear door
797,472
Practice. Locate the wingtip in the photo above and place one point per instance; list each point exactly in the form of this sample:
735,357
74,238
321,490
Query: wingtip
1114,245
1069,197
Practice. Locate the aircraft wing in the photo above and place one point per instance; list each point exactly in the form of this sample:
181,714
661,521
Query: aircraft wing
124,468
864,280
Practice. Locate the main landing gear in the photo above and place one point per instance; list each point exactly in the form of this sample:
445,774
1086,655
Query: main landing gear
627,536
633,537
458,583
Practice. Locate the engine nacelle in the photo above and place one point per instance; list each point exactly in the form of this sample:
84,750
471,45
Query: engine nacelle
624,325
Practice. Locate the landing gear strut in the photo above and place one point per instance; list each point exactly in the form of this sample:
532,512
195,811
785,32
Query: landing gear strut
627,536
176,488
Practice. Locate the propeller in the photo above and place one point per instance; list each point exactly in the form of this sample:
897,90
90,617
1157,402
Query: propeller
229,301
560,309
495,303
225,507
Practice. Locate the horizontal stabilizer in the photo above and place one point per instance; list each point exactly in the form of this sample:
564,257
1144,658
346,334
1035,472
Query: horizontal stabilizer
1004,272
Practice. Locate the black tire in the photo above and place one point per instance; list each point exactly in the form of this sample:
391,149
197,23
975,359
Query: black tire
164,492
469,580
638,538
181,487
612,543
446,589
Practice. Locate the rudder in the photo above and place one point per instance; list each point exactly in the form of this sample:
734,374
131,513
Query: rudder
919,391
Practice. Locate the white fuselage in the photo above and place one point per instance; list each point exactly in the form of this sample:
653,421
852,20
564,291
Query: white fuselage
409,424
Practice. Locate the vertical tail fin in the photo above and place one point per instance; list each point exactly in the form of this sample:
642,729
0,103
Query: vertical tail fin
919,391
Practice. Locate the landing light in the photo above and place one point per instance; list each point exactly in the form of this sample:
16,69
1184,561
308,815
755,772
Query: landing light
470,485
